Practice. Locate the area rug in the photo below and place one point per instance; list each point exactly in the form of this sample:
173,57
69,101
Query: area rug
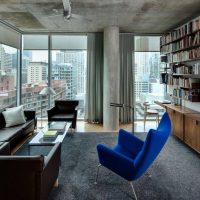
174,175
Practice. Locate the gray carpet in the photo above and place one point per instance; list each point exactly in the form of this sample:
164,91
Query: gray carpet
175,173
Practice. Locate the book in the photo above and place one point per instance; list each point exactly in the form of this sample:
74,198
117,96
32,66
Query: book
50,134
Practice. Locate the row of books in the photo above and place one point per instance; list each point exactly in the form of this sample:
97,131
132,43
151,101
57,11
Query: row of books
182,31
186,42
191,95
185,55
188,83
181,69
196,68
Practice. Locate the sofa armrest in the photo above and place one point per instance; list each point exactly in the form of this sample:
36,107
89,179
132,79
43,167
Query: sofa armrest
51,170
21,163
4,148
31,114
53,154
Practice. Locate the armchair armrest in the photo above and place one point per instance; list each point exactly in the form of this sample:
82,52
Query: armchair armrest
30,114
129,141
51,112
116,162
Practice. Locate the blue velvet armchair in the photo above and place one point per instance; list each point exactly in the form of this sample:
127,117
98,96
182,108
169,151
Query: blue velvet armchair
131,157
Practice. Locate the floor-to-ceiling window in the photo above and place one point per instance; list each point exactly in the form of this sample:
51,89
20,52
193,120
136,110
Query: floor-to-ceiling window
147,73
8,75
35,72
69,58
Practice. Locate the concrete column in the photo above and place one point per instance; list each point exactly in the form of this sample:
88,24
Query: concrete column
111,78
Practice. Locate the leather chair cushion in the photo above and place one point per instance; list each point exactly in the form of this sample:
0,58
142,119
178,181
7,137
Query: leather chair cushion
62,117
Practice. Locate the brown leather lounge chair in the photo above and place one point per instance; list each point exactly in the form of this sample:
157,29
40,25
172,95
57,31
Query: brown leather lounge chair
29,177
64,110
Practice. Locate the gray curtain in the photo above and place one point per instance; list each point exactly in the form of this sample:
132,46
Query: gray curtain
126,76
94,82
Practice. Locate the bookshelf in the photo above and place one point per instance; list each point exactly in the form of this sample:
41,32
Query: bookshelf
180,50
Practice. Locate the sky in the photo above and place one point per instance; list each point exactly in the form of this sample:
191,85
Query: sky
38,56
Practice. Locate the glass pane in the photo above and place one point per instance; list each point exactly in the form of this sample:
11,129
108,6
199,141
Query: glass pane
34,79
69,75
147,81
8,75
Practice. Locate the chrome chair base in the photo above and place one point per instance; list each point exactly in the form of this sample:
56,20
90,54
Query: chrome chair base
97,175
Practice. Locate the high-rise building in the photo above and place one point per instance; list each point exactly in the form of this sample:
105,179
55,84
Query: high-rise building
5,59
78,62
37,72
64,71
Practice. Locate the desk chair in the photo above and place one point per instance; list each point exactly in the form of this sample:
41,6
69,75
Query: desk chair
150,112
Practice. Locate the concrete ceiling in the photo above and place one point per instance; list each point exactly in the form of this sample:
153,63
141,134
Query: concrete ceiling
138,16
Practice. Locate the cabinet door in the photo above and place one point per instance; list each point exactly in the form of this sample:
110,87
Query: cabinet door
198,137
192,133
177,123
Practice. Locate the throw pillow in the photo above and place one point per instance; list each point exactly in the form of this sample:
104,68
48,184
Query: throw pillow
13,108
14,116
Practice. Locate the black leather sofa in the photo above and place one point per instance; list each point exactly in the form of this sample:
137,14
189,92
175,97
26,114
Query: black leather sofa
64,110
13,135
28,177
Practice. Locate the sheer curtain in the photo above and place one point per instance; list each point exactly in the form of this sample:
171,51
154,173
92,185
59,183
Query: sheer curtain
126,76
94,82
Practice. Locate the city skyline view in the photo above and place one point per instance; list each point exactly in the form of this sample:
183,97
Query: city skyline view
68,77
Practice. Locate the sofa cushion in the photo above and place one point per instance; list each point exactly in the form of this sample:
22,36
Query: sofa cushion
14,116
7,133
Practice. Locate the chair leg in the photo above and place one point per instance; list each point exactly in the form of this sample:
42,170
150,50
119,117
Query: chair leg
148,174
145,116
99,165
133,190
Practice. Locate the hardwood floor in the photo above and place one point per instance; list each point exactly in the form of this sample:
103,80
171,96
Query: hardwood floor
83,126
139,127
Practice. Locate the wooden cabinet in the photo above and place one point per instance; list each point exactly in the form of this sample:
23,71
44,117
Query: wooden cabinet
177,122
192,131
185,124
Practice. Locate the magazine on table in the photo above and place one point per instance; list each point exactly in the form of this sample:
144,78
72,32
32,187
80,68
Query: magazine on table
57,126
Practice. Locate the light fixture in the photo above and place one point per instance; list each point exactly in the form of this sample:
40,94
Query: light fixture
46,91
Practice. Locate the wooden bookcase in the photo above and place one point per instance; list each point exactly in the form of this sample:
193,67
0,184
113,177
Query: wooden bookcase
181,49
